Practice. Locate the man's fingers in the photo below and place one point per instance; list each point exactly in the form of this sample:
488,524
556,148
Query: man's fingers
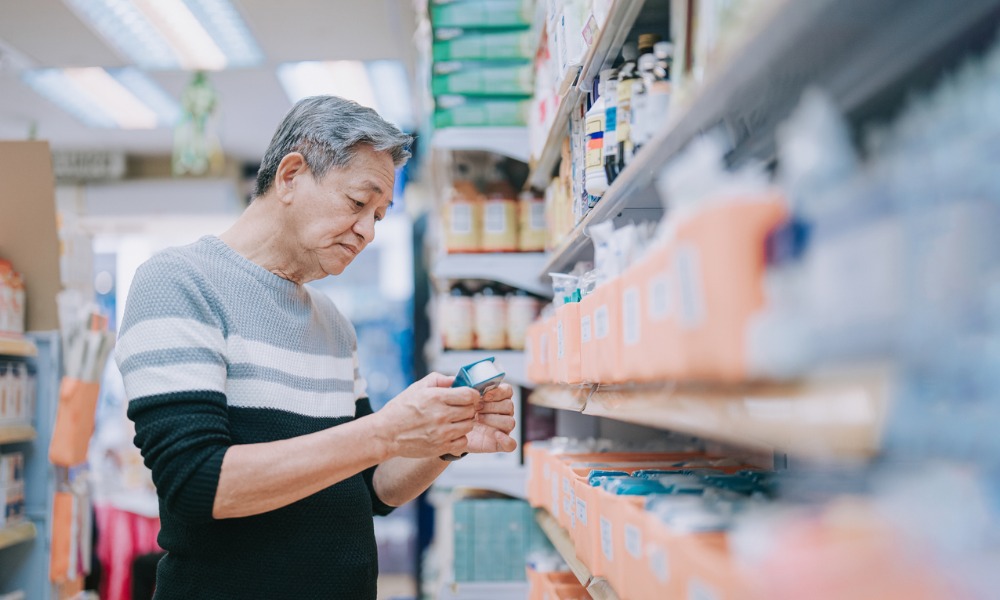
503,423
501,392
462,396
436,380
503,407
505,443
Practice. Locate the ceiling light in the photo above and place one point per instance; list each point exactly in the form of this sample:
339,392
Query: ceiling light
381,85
116,98
173,34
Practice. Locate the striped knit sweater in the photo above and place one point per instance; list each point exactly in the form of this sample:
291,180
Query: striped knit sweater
215,351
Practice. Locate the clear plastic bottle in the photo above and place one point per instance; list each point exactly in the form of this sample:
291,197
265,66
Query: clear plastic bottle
640,102
610,125
596,180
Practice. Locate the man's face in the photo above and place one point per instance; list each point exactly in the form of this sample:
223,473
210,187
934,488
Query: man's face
336,215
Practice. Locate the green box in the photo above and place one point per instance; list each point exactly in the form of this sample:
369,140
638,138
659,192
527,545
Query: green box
483,79
460,111
500,45
483,13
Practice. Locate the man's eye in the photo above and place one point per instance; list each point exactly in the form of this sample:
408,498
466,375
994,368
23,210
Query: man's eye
359,204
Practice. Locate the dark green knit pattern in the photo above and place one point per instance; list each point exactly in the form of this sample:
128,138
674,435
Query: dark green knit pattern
320,547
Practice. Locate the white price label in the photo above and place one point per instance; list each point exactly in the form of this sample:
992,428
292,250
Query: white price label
692,295
461,219
602,324
633,541
606,542
495,218
581,511
699,590
659,297
560,340
536,216
585,329
555,497
630,316
659,565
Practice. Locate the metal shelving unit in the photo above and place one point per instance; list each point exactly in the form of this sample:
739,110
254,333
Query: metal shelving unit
842,46
517,269
508,141
16,346
601,54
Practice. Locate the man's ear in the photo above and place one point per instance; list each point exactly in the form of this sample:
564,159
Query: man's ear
292,166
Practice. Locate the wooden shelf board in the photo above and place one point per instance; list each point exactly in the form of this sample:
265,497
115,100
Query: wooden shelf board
16,534
12,434
598,587
829,417
16,346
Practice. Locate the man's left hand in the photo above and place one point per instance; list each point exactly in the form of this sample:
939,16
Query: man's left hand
494,422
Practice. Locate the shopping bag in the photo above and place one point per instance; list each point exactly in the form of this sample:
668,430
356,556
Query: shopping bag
74,422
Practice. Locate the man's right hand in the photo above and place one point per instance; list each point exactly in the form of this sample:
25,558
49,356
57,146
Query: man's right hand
428,419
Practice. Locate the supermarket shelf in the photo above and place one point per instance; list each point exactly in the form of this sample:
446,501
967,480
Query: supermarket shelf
467,473
602,53
17,534
597,587
543,165
484,590
16,346
826,417
12,434
852,49
512,268
512,362
509,141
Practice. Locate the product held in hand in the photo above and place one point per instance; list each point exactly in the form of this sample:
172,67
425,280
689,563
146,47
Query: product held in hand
483,376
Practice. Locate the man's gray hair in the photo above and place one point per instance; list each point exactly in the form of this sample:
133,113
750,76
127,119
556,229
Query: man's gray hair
327,130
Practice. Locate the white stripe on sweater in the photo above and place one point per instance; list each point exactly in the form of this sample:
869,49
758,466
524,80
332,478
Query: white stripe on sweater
175,378
252,393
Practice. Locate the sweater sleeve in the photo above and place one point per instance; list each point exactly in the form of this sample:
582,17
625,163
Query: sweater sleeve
171,354
363,408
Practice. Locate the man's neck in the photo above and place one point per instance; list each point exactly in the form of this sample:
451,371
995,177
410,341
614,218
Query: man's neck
256,236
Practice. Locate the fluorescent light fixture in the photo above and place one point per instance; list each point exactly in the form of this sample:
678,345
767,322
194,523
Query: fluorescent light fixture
173,34
380,84
113,98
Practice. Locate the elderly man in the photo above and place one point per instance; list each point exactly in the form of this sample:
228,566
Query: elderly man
244,386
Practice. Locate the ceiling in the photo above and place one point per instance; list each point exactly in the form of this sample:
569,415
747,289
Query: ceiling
46,33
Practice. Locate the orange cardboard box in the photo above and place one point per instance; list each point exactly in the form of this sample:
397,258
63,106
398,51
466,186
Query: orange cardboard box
650,340
570,591
567,343
607,327
719,261
570,467
532,356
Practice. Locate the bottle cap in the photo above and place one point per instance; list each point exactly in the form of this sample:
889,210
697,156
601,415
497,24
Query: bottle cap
647,40
630,52
663,49
647,62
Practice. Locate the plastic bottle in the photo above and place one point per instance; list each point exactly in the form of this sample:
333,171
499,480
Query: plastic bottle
456,317
623,112
656,93
610,126
640,101
625,148
490,309
596,180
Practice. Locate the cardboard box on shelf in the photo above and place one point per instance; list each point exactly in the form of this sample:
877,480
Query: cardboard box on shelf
719,261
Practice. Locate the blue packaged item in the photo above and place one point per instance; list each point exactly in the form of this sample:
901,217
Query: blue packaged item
633,486
597,476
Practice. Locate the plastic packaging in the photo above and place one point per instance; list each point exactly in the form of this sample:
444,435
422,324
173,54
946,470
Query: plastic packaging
456,318
522,309
596,181
490,308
